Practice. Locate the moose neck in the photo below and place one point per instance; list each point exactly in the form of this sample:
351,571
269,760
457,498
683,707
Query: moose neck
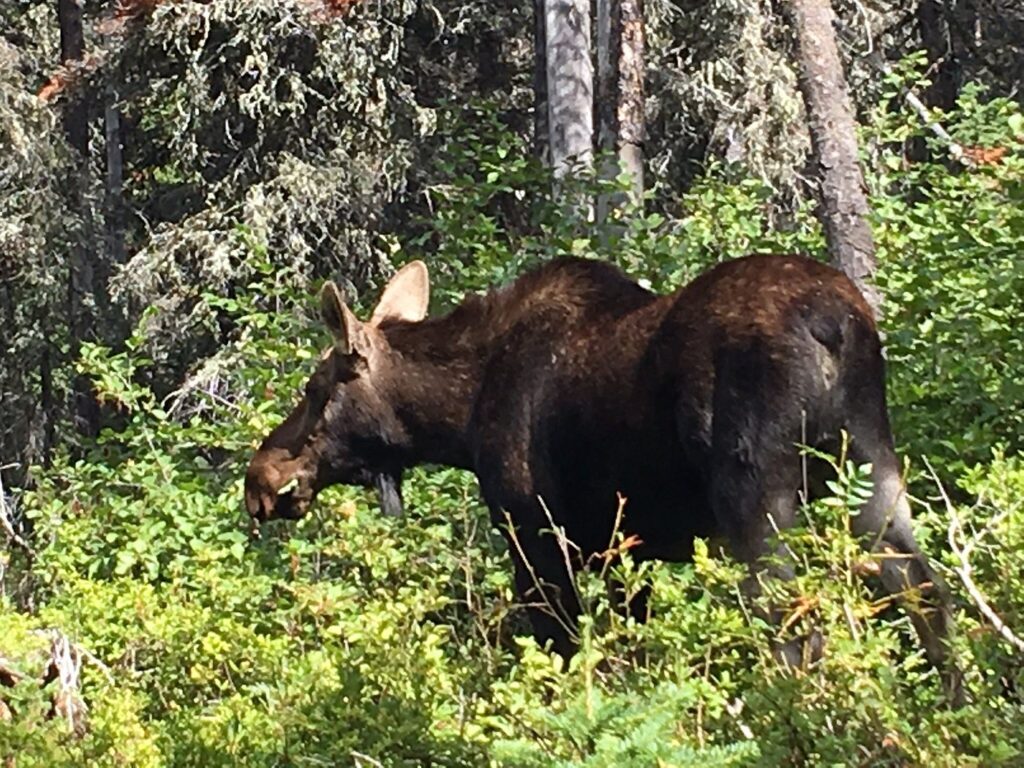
434,373
436,366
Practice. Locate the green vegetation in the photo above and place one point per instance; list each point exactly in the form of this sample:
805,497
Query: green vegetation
352,639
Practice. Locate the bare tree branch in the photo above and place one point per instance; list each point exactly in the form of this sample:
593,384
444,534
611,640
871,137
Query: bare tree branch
956,150
964,569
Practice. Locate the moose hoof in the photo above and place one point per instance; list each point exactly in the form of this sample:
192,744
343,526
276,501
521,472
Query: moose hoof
800,652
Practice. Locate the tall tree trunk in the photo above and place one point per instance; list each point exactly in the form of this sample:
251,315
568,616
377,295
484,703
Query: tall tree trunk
111,322
81,267
620,94
570,84
540,85
72,49
844,206
115,175
943,40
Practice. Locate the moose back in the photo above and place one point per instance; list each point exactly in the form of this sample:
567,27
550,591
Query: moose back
574,384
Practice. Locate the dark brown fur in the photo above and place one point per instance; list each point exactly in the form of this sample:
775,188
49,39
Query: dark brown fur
574,384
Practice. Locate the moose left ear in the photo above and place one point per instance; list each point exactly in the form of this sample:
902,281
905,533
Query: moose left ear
406,295
346,329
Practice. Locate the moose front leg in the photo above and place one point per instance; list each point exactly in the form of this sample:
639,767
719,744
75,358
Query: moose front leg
519,482
906,573
545,585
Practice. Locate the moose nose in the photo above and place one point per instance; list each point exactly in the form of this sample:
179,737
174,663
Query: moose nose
260,490
254,499
270,474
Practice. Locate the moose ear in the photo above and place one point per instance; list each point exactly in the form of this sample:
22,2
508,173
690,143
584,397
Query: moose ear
339,318
406,295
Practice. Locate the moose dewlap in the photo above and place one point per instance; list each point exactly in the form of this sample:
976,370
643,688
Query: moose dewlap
574,384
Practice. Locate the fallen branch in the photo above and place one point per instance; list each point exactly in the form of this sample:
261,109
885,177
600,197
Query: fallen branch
956,150
80,651
964,570
362,759
64,666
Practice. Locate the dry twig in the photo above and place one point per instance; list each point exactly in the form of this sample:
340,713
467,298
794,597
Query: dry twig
956,150
66,662
7,518
964,570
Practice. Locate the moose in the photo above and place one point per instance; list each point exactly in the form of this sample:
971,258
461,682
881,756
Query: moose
573,384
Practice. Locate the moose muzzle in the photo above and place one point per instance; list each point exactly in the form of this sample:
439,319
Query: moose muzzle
277,485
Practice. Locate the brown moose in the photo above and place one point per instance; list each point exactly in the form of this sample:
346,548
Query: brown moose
574,384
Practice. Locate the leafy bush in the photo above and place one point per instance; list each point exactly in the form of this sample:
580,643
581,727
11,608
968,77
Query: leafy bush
951,246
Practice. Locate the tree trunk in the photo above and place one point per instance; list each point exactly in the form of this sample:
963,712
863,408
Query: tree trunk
72,49
570,84
844,206
946,49
81,268
540,85
115,175
628,49
620,94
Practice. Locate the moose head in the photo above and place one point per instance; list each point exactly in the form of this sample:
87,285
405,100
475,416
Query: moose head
345,428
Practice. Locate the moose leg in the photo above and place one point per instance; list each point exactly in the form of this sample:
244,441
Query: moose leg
751,505
755,468
885,520
905,572
524,510
545,585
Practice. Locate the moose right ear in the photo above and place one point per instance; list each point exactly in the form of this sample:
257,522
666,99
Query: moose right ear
345,327
406,296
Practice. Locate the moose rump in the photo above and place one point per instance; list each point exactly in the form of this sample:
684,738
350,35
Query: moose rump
574,385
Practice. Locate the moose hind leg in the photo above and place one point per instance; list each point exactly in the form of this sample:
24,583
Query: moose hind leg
751,506
905,571
754,472
755,468
754,498
885,519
